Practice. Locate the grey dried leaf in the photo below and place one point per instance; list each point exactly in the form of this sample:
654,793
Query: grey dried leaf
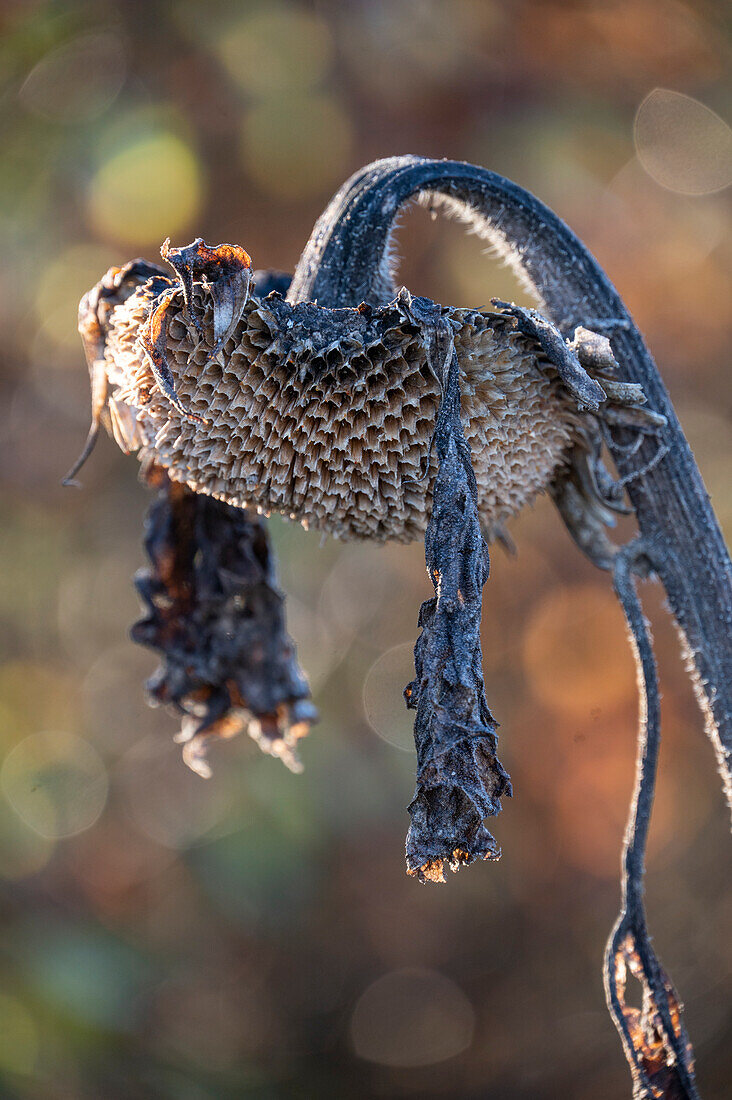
217,617
586,390
460,780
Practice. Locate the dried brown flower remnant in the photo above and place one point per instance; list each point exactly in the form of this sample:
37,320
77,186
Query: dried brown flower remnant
326,415
226,268
217,617
94,311
460,780
329,414
226,272
325,406
654,1039
658,1074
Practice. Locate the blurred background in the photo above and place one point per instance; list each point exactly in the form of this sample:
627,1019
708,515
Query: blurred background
255,935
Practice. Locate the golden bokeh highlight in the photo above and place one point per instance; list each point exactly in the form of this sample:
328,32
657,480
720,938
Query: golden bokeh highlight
575,652
295,146
276,49
63,281
145,190
56,782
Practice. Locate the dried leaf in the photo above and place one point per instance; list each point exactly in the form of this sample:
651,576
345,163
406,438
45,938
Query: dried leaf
218,619
459,777
587,391
115,287
227,269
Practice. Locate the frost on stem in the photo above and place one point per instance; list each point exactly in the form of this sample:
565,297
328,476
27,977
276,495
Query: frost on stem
658,1051
218,619
459,777
657,1048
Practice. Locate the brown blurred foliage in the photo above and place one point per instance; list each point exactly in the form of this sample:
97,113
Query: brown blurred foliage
256,935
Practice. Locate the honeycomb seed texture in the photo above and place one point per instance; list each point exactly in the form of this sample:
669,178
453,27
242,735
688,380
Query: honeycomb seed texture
327,416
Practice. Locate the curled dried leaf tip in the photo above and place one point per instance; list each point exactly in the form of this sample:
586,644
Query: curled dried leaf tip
226,271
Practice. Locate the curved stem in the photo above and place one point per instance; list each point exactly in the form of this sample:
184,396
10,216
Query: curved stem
346,262
654,1039
636,835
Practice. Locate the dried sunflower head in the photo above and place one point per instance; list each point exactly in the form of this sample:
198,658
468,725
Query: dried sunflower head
372,422
324,415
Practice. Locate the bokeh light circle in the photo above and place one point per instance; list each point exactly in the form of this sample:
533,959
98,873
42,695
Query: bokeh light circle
276,48
383,701
575,653
682,143
148,188
412,1017
76,81
295,146
56,782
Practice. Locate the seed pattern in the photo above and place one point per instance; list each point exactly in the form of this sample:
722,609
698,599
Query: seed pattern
327,416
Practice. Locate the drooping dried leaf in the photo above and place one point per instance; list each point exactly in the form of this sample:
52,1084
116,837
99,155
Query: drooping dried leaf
460,780
218,619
